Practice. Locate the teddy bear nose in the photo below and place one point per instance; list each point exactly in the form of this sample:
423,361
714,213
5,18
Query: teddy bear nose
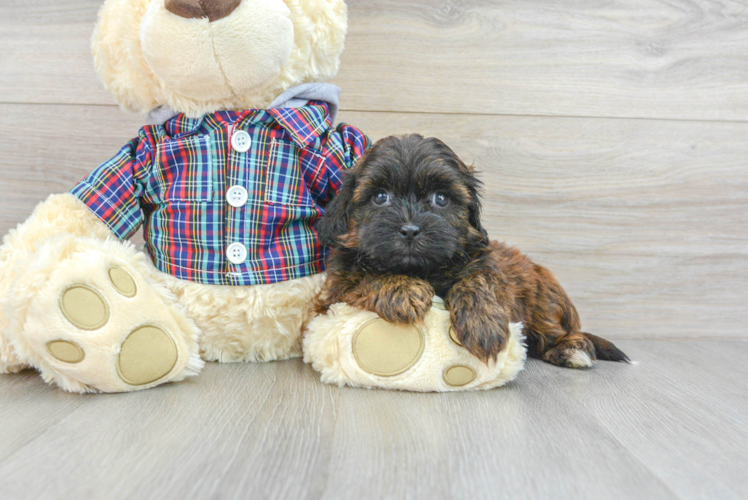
212,9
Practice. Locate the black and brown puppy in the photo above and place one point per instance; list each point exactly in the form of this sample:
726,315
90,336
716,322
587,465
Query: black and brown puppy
406,224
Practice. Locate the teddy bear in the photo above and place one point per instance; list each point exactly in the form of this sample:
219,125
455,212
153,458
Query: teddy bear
238,160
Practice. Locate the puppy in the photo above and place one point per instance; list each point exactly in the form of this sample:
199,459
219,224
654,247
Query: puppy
406,225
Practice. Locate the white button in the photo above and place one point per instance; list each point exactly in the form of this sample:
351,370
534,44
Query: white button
236,253
236,196
241,141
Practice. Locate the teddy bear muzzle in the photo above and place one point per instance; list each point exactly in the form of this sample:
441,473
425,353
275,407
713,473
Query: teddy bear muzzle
212,9
216,49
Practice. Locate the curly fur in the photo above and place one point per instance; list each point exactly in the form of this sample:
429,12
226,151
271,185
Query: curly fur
407,221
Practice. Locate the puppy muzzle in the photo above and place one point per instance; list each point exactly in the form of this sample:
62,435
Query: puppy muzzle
407,241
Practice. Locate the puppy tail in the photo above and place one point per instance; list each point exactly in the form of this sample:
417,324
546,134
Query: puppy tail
606,350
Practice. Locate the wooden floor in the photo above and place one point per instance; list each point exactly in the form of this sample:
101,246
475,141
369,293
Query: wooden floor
672,426
613,141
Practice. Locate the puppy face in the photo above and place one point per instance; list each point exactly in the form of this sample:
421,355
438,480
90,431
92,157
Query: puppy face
410,206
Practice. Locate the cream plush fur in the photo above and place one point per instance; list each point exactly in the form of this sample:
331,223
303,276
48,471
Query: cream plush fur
63,243
328,347
148,57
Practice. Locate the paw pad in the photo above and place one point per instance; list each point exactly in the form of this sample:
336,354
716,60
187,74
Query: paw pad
65,351
122,282
84,307
386,350
459,375
453,336
148,354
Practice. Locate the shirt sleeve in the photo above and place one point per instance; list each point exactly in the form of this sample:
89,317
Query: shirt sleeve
355,143
350,146
113,190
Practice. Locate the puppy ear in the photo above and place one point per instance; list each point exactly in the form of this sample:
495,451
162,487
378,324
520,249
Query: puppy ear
335,221
474,217
474,207
473,184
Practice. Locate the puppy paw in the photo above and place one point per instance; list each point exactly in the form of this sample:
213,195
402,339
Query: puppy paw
484,336
406,304
572,352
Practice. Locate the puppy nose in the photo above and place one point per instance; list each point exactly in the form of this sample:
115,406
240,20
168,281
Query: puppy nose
410,231
212,9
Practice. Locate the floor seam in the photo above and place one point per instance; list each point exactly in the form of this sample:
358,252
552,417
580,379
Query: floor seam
449,113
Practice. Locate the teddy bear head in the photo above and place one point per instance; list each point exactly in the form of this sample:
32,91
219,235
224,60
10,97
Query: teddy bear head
200,56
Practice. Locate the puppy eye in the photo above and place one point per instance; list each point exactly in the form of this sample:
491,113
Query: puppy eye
440,200
381,198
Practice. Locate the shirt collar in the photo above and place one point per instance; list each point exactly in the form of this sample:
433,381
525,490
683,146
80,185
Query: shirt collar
305,124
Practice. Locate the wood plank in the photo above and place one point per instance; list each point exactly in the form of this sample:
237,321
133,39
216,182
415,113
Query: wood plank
696,394
264,424
680,59
672,426
45,53
642,221
28,408
48,149
519,442
649,58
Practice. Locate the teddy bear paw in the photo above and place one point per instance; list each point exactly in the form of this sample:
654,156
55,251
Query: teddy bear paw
353,347
98,325
147,354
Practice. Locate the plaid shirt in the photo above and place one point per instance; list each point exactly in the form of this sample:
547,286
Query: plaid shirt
174,178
